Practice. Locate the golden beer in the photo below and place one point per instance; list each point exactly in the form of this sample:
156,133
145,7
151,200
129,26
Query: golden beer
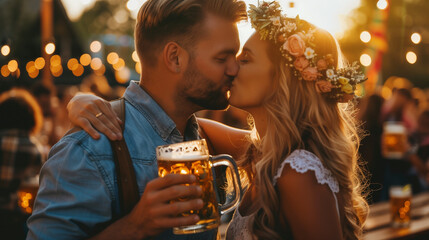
201,168
400,206
193,158
394,140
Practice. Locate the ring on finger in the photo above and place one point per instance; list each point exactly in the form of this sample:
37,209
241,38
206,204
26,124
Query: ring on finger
98,114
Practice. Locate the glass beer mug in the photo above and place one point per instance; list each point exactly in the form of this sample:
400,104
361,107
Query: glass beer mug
400,205
394,140
193,158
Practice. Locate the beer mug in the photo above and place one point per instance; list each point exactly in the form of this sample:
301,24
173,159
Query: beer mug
193,158
394,140
400,206
26,194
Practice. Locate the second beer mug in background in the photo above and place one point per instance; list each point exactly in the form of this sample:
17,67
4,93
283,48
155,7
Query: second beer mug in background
193,158
400,205
394,140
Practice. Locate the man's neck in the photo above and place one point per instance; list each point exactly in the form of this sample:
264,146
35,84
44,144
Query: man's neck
163,94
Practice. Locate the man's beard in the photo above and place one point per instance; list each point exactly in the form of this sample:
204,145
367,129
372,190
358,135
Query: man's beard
202,91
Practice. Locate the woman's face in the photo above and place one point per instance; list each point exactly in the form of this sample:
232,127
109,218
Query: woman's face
253,82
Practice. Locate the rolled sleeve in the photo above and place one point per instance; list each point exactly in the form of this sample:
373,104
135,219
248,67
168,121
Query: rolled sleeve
73,201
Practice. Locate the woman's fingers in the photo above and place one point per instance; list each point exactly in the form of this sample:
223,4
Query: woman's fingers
108,117
87,127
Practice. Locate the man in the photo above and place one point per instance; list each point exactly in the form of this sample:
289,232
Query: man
187,50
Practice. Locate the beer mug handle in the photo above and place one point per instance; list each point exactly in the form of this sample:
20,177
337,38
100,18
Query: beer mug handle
227,160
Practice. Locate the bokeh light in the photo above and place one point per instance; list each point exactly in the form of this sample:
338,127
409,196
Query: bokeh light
5,71
138,68
39,63
123,75
55,61
411,57
112,58
5,50
365,60
119,64
96,63
135,57
85,59
95,46
78,71
382,4
12,66
365,36
416,38
50,48
72,64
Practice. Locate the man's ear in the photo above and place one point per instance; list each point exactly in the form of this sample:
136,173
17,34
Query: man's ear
175,57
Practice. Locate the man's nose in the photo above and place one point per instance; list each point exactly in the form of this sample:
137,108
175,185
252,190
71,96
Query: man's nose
232,68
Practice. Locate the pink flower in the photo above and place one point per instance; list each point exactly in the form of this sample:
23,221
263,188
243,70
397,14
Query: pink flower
295,45
310,74
322,64
323,86
301,63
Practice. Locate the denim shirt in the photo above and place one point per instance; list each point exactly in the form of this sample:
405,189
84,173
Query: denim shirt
78,193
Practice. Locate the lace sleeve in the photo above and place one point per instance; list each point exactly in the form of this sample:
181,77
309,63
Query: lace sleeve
302,161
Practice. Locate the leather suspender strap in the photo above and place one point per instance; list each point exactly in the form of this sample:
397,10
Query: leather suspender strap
125,175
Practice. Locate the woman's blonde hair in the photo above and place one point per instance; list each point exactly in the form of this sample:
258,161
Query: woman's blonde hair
298,117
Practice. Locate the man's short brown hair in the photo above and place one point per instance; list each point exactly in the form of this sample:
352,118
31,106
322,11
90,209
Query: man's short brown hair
162,21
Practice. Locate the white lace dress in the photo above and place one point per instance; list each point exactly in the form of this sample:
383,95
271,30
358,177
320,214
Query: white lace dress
301,161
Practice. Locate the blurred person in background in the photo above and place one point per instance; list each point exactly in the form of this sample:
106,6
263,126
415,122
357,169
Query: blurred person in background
44,97
400,108
419,152
20,156
370,147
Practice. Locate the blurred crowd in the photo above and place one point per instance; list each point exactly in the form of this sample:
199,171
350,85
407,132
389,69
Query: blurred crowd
408,117
33,118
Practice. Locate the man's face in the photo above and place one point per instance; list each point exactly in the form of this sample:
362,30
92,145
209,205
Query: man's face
212,66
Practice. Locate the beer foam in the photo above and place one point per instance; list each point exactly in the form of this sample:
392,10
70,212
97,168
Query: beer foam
394,128
183,157
400,192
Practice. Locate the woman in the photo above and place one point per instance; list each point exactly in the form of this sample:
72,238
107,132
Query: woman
289,81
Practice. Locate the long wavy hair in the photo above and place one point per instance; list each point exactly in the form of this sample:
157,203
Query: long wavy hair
298,117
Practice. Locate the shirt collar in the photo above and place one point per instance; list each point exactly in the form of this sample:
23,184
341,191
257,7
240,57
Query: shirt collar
157,117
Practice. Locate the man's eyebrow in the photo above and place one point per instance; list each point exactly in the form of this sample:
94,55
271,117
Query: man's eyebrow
229,52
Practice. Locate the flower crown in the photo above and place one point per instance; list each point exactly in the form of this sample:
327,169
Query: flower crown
295,39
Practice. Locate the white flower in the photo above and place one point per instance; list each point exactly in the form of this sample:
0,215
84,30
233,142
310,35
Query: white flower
309,53
290,27
276,21
330,73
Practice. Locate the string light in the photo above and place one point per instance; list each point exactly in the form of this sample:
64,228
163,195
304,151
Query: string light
5,50
95,46
50,48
